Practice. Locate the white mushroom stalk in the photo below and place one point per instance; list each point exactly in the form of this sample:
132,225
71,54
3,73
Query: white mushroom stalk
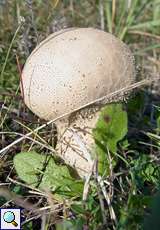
76,140
69,70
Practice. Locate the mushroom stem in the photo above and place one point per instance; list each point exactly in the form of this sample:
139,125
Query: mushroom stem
75,140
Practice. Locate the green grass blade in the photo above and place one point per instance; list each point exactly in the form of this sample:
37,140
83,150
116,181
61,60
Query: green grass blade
8,53
156,14
108,15
119,25
146,25
149,48
129,20
156,9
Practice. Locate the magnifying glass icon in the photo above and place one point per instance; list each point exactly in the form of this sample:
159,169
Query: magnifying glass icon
9,217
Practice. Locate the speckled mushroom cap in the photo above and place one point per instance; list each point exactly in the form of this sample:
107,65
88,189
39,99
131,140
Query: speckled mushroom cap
74,67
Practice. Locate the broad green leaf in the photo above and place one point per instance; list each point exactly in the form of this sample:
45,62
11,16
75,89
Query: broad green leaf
38,171
28,166
110,129
111,126
58,179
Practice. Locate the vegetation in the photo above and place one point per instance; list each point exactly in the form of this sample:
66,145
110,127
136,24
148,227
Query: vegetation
124,192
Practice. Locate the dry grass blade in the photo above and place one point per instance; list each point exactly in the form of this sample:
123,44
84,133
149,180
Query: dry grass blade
142,33
47,146
87,184
24,185
116,199
101,12
106,196
19,200
101,189
55,3
113,11
104,98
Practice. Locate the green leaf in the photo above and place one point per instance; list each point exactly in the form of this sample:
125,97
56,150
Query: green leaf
30,167
28,226
111,126
76,224
78,208
110,129
144,170
58,179
65,225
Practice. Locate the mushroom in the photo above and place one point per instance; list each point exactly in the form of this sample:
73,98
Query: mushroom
68,73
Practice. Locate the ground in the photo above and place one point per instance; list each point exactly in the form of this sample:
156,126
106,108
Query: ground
126,194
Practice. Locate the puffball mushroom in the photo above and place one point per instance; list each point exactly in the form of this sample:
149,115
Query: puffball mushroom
66,74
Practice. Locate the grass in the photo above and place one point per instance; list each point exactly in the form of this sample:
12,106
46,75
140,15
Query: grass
124,193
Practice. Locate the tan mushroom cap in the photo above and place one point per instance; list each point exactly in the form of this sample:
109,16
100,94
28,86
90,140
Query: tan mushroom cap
74,67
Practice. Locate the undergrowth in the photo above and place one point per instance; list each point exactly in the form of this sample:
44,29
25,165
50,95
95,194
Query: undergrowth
123,193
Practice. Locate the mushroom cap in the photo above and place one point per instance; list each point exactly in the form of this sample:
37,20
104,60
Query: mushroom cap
74,67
